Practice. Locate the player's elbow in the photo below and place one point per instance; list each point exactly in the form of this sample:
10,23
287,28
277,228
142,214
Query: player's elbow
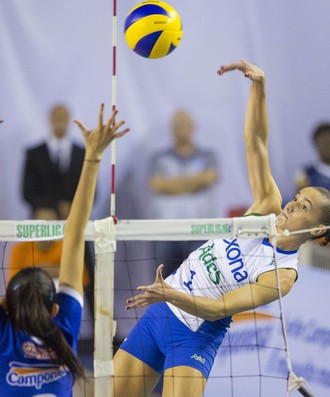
217,311
286,282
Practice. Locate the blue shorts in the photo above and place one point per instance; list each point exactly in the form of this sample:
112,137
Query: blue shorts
162,341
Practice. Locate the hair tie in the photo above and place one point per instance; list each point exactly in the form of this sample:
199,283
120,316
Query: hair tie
324,242
16,286
51,296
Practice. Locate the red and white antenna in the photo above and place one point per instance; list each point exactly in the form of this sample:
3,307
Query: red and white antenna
114,104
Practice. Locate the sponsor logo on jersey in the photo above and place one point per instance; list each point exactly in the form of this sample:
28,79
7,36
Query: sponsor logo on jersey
272,263
235,260
24,375
198,358
209,262
32,351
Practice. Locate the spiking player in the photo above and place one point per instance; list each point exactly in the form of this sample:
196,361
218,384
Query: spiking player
179,335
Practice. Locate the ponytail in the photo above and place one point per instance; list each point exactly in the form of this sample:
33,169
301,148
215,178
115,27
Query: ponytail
325,217
324,241
30,297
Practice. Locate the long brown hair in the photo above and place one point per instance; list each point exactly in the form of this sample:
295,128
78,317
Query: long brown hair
30,297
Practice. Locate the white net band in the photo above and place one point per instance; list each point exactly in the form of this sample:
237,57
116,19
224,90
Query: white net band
171,230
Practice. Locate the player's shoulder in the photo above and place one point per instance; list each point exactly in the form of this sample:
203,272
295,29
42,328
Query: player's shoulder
65,293
32,150
271,204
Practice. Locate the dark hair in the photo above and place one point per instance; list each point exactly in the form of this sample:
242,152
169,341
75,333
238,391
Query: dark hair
321,129
325,217
30,297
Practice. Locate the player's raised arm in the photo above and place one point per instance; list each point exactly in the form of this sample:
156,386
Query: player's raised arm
266,195
96,141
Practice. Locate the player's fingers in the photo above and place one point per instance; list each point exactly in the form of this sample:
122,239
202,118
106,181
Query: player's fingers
159,273
229,67
83,129
137,300
137,304
121,133
116,126
111,119
100,120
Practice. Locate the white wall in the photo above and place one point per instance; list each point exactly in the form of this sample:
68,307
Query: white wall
62,51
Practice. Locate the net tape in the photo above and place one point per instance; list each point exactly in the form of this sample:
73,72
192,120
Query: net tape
178,229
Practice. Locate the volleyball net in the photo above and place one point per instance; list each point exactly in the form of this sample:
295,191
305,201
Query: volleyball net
248,355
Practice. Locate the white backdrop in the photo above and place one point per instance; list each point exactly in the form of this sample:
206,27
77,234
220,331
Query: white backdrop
60,51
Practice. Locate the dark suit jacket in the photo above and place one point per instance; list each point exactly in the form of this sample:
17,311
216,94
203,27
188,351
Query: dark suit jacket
43,184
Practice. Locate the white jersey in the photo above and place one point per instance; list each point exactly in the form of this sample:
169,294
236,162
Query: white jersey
220,266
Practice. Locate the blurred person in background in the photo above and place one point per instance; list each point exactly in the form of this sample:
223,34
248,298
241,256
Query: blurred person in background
52,168
181,180
318,173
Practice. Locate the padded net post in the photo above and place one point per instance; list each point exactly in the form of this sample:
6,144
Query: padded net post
105,326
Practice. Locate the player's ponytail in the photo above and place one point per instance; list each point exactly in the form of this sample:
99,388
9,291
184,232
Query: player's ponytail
325,217
30,298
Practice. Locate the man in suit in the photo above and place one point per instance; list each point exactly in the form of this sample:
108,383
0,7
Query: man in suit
52,169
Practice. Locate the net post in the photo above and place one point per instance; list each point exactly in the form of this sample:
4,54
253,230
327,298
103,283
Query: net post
105,326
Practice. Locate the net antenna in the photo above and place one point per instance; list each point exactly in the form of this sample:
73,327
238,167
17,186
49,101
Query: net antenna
105,248
114,104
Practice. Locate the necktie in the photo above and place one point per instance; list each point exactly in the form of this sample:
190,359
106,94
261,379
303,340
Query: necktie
58,160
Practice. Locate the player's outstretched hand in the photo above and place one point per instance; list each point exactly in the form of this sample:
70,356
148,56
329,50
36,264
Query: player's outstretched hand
251,71
98,139
156,292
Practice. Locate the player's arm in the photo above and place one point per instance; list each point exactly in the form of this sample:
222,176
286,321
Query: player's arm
184,184
266,195
236,301
96,141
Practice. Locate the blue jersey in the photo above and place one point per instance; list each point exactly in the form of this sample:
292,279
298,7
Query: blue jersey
26,366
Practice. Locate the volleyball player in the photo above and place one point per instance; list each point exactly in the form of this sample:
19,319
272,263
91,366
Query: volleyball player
38,326
180,333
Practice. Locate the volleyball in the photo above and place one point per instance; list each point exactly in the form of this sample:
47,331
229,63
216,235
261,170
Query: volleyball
153,29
